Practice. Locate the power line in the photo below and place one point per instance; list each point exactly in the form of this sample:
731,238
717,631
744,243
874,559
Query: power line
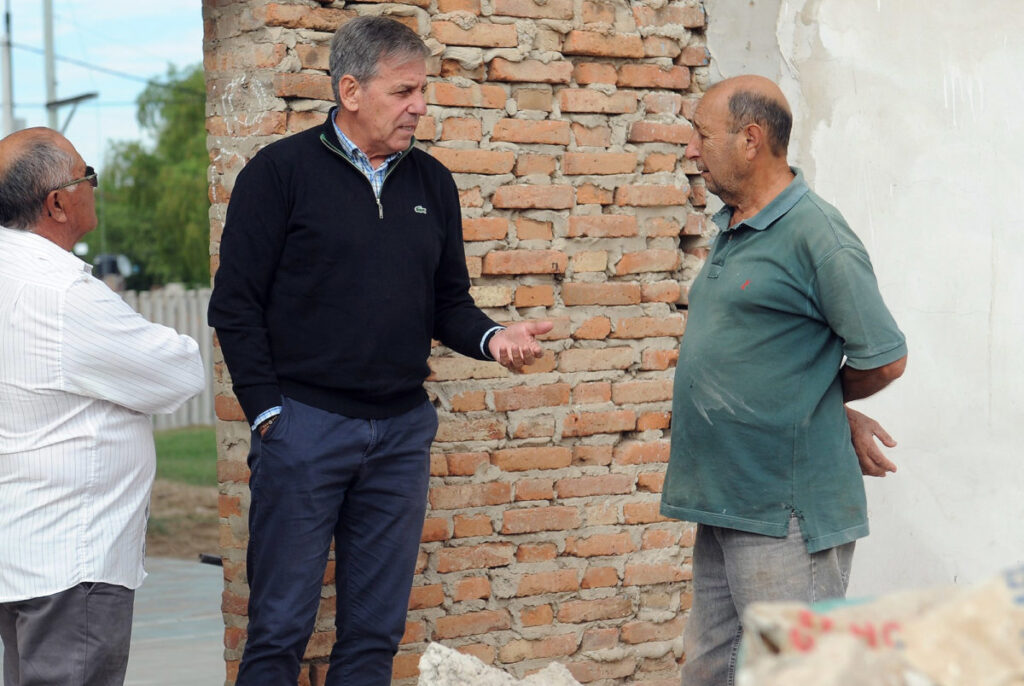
113,72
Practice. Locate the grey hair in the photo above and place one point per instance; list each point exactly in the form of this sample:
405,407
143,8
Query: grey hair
360,45
40,169
747,107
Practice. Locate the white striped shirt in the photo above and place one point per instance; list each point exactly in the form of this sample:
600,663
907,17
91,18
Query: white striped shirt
80,372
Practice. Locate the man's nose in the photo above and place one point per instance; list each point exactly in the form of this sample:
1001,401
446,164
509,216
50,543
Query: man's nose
419,104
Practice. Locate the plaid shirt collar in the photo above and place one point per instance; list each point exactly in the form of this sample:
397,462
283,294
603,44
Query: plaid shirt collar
375,176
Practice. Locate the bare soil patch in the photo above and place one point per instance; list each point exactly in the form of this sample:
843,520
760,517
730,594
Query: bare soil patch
183,521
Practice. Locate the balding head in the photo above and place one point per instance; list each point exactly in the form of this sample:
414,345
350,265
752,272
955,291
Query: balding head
756,100
33,162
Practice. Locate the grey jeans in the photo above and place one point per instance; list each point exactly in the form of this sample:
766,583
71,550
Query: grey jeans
78,637
732,569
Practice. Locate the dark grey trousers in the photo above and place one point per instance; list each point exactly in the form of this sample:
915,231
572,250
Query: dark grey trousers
78,637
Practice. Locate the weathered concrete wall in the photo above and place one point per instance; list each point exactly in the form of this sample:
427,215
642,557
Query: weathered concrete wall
564,123
909,119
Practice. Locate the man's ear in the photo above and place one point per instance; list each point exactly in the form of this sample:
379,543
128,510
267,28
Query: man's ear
349,93
55,207
753,139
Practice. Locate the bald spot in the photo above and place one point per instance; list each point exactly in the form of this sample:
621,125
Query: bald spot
13,146
750,83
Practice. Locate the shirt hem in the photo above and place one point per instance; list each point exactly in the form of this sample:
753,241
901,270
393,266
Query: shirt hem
726,521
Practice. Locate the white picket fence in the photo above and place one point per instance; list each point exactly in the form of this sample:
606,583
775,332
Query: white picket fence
185,312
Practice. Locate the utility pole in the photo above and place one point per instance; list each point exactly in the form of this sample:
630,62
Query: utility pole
8,78
50,65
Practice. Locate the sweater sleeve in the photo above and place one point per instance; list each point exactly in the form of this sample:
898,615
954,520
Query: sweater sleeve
458,322
254,236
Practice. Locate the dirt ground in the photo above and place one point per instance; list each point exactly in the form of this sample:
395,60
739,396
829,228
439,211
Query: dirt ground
182,521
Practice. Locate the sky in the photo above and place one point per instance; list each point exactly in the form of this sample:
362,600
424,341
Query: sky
137,39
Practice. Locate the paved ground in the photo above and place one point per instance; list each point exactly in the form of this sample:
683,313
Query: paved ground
177,634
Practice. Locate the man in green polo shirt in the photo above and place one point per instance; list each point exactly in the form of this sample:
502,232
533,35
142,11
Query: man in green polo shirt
762,457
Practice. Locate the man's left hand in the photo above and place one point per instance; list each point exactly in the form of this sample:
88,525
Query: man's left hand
517,345
863,431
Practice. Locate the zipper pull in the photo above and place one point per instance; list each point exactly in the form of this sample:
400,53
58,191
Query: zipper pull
380,209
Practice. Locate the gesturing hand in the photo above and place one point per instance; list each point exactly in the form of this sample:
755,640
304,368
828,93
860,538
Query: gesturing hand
863,430
517,345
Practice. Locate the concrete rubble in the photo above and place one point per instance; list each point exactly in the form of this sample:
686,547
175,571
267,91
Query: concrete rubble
441,666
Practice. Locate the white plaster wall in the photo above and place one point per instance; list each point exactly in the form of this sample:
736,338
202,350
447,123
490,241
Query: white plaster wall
910,119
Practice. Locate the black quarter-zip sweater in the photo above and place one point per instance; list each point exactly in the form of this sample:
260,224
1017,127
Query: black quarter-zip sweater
326,297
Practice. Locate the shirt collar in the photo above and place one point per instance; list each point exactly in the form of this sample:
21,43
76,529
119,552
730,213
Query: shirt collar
44,247
351,149
780,205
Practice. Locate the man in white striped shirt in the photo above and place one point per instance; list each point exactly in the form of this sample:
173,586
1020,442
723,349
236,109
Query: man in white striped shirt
80,372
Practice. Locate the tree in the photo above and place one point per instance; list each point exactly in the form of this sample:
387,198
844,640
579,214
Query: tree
154,204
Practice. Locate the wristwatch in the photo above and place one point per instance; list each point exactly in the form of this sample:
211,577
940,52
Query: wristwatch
266,424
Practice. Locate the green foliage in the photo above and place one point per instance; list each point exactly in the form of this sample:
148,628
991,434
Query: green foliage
187,455
153,199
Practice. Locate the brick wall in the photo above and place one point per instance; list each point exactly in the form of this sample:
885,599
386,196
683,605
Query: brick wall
564,122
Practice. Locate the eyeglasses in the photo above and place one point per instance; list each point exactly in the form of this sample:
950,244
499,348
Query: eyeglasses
90,176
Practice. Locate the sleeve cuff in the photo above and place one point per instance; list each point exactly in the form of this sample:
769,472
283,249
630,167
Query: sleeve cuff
487,339
265,415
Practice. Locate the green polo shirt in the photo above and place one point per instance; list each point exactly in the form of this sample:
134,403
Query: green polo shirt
758,426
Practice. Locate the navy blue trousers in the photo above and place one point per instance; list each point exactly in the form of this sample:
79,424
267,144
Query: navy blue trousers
315,476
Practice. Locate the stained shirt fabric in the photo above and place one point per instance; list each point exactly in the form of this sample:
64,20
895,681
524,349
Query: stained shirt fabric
80,372
759,431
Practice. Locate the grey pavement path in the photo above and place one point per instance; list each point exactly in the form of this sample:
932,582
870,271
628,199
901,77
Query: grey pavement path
177,632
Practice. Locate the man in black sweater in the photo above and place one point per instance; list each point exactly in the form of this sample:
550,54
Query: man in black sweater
341,259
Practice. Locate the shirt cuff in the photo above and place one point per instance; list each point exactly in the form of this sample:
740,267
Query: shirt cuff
265,415
486,338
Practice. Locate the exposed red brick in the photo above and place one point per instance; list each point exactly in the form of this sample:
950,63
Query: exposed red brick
653,76
524,459
535,296
590,423
548,647
457,497
475,161
530,520
585,100
472,588
467,526
603,484
691,17
483,556
483,35
536,616
599,163
601,293
533,71
636,452
552,9
603,45
471,623
484,228
525,262
645,632
650,327
450,95
559,581
461,129
653,132
600,577
595,359
651,195
577,611
525,397
527,131
533,197
586,73
426,596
